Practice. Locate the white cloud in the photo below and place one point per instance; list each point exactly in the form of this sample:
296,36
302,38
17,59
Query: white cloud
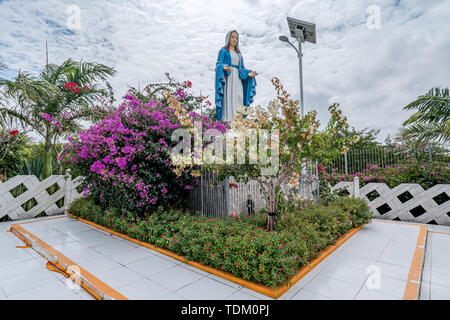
372,73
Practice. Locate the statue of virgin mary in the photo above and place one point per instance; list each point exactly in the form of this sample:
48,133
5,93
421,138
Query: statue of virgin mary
235,85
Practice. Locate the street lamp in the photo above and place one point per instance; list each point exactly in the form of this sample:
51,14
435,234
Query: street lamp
302,31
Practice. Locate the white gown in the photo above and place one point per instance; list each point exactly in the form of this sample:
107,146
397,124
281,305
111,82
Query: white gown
233,96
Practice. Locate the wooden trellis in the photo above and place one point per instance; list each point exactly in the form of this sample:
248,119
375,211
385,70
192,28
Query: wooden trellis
44,200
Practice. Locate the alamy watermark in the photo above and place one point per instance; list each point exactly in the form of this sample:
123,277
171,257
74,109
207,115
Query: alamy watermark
374,279
74,282
74,17
215,147
374,19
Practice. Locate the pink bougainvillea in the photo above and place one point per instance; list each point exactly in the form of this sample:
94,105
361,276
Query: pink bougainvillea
126,156
52,120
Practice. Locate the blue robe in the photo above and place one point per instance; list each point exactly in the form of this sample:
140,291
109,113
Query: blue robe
248,83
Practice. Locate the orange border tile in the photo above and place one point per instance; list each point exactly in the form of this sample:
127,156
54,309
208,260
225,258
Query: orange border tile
412,290
439,232
398,222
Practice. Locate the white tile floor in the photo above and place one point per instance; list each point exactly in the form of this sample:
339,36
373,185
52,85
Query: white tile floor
23,274
140,273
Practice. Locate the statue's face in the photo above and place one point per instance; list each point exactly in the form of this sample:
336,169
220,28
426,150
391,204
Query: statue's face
233,38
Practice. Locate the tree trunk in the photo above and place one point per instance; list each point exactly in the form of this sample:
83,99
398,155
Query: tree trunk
272,208
271,222
47,171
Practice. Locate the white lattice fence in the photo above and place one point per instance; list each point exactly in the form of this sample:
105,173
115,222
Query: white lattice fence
406,202
39,191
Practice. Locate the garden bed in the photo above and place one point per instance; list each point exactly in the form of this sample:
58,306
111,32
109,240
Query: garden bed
239,250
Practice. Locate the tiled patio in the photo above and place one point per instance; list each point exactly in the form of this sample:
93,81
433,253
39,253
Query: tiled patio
23,275
140,273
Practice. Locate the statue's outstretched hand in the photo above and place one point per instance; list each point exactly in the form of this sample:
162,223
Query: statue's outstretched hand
227,68
253,74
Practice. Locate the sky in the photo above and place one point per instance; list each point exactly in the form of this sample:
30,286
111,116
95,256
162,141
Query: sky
371,57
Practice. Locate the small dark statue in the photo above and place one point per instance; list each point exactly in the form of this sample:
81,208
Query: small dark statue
250,206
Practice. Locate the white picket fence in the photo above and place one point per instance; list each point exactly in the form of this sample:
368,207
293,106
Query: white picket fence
13,206
387,203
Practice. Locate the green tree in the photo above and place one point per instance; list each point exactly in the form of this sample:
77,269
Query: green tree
367,138
53,104
13,151
431,121
295,141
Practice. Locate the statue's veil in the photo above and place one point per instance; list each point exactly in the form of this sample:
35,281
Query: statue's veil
227,40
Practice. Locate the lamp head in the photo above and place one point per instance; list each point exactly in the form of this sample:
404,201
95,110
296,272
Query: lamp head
284,38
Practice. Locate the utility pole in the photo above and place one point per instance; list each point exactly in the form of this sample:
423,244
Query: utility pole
300,64
46,54
302,31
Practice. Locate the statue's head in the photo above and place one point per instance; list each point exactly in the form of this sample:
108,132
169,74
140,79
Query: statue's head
232,38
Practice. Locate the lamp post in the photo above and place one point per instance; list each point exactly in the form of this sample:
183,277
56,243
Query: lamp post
302,31
300,69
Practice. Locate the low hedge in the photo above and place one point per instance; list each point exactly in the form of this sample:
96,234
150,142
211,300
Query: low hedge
426,175
358,209
239,246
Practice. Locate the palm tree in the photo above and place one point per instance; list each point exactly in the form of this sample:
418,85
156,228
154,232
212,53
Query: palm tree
53,104
432,118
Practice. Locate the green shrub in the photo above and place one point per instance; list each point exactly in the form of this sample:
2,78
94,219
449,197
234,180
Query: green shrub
86,208
330,221
411,171
13,151
358,208
258,220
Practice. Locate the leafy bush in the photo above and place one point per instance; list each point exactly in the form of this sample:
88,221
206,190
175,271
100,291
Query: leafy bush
34,167
13,151
259,220
239,246
330,221
358,208
125,158
325,193
86,208
411,171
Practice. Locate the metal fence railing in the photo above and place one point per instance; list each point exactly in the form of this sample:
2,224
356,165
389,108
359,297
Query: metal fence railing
208,197
357,160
